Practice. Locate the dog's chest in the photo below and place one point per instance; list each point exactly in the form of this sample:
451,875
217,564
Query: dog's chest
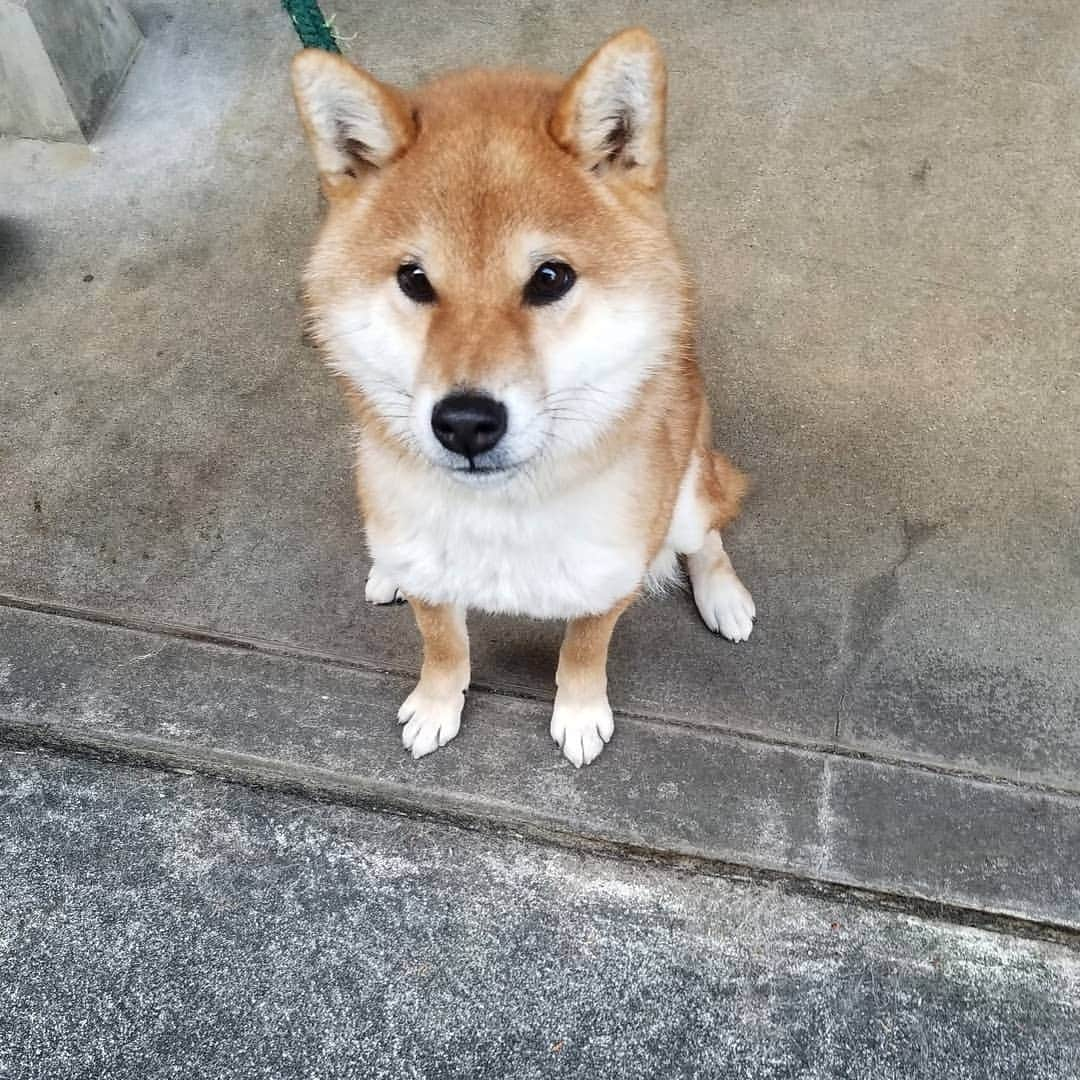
574,553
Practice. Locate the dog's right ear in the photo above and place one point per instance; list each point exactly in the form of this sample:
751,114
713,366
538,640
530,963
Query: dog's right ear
353,122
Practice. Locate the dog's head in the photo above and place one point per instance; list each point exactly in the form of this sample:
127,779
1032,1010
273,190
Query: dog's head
494,277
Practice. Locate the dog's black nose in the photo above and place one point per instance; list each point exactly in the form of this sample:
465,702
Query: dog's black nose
468,424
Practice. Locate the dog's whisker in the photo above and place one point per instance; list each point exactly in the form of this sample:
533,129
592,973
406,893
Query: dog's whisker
556,414
325,339
576,391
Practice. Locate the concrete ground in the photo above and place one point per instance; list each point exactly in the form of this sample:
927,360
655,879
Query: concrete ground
156,925
879,203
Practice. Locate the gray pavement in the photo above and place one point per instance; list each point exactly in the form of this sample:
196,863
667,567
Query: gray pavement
155,925
679,792
879,203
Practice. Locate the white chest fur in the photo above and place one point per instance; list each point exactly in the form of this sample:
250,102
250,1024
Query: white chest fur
576,551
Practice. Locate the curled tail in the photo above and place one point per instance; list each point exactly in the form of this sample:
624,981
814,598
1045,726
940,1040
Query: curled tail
724,487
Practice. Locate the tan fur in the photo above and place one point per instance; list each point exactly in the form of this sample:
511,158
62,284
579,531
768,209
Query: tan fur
454,173
582,671
445,669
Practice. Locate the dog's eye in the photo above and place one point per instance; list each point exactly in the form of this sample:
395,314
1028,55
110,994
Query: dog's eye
414,283
551,282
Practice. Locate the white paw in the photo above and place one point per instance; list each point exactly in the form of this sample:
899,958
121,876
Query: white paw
430,722
725,604
582,730
381,589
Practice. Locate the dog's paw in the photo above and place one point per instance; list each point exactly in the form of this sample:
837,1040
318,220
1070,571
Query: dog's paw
725,604
582,729
430,722
381,589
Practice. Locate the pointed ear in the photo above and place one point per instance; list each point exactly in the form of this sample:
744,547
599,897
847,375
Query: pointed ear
353,122
610,115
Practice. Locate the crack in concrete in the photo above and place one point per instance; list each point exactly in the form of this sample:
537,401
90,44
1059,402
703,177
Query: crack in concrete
873,601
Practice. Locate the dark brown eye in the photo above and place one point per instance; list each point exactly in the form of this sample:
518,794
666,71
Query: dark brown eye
414,283
551,282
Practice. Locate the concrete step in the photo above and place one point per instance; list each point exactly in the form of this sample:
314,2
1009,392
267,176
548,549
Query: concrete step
266,715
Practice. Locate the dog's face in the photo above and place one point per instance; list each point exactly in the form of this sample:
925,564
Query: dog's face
494,277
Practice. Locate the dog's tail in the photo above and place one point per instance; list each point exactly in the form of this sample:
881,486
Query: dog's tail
726,485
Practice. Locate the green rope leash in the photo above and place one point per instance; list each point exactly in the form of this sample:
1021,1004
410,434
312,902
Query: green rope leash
314,31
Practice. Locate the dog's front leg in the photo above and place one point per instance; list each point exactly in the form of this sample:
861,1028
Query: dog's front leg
432,712
582,722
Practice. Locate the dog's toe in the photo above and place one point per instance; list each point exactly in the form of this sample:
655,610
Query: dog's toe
429,722
381,589
581,730
726,606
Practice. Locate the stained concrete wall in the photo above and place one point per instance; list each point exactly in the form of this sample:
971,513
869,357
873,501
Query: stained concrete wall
61,62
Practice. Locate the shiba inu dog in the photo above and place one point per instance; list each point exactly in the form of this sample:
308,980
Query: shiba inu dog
497,289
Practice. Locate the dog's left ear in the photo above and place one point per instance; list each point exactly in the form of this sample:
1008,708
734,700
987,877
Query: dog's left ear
611,114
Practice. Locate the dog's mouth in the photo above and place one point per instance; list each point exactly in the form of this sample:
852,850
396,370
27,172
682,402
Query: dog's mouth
479,474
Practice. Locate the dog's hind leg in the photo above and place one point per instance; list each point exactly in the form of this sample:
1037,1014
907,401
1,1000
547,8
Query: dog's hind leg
432,712
582,722
381,588
724,603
